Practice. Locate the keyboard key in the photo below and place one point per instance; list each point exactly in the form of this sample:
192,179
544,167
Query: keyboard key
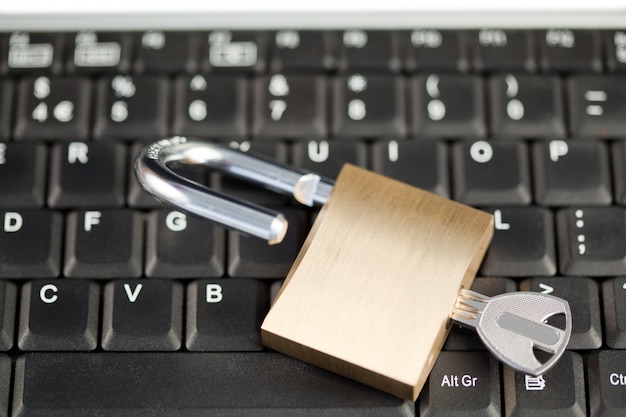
526,106
8,296
582,295
84,174
448,106
211,107
435,50
423,164
242,384
235,51
368,106
53,108
225,315
99,52
25,165
104,244
571,173
6,107
137,197
369,50
462,338
614,293
491,173
144,315
523,243
615,43
249,257
181,246
303,50
504,50
290,106
595,106
607,383
160,52
131,107
32,52
560,391
618,153
328,157
5,384
462,383
568,50
592,241
30,244
59,315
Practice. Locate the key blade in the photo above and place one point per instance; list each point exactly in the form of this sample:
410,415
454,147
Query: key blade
514,325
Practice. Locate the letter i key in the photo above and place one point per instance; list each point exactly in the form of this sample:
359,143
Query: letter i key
382,275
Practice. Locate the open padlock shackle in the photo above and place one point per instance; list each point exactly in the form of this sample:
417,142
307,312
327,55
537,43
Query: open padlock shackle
155,176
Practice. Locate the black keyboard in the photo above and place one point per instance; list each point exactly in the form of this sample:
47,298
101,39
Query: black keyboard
114,305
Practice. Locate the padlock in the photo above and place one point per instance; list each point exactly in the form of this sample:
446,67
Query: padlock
384,268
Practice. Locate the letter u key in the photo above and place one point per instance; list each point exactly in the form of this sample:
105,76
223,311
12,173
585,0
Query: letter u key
383,270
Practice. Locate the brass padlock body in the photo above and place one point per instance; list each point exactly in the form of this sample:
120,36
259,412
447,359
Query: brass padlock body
371,291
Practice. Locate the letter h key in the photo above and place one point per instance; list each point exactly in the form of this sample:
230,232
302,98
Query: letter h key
383,271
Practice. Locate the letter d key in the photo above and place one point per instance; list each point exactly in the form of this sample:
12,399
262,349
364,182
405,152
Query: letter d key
383,271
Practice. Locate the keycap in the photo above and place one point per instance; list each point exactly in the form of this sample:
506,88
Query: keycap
52,108
103,244
144,315
582,295
87,174
327,157
491,173
614,302
30,244
570,50
512,331
423,164
592,241
166,52
6,108
244,190
8,295
137,197
290,106
560,391
234,51
595,104
5,384
367,105
369,50
120,384
615,46
59,315
435,50
249,257
571,173
526,106
461,338
462,383
447,106
225,315
210,107
181,246
618,154
99,52
32,52
25,165
607,383
303,50
503,50
131,107
523,243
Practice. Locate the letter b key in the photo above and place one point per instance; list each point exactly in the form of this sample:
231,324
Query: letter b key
384,269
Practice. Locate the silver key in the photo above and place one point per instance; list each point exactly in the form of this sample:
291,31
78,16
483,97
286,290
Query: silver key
513,325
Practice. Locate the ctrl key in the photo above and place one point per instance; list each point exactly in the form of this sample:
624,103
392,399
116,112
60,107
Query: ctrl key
607,383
